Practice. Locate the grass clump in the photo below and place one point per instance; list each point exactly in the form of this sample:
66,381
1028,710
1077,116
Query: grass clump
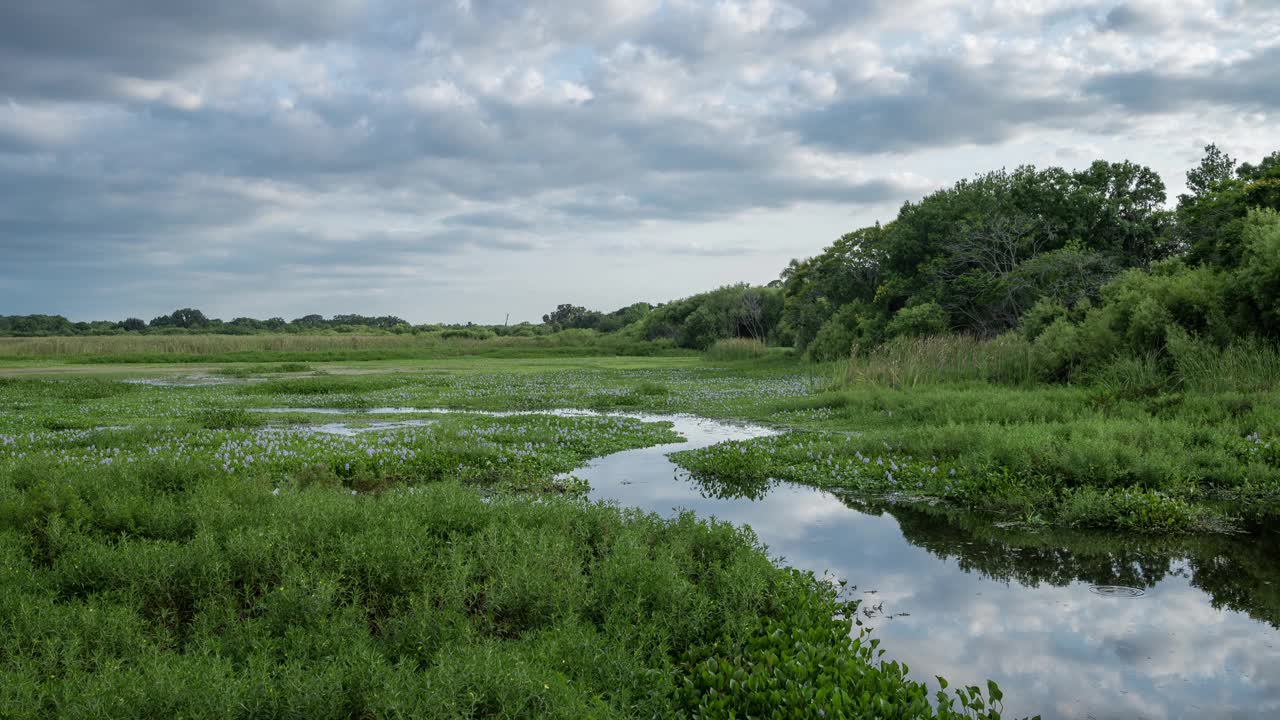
245,371
907,362
218,597
1139,473
736,350
228,418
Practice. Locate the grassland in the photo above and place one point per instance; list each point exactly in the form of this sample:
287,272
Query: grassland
165,349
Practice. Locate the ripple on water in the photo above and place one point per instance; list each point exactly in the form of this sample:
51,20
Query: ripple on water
1118,591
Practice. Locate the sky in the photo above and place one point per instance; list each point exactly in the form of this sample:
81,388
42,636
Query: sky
466,160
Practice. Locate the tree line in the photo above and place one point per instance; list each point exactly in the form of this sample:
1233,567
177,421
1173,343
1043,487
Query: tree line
1083,264
185,320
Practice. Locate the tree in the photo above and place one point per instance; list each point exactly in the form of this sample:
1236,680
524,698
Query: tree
731,311
978,279
35,325
918,321
133,324
1211,218
1259,275
1122,212
1216,169
188,318
567,316
813,289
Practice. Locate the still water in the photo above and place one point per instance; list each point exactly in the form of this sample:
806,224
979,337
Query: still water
1071,625
953,596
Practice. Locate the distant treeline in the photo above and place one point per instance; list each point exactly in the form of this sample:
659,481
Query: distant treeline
1080,266
186,321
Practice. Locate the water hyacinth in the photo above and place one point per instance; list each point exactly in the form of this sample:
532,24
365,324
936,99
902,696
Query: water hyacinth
470,446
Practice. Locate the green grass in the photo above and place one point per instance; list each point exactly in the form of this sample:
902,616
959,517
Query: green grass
1070,456
1110,454
735,349
233,602
169,552
277,348
155,539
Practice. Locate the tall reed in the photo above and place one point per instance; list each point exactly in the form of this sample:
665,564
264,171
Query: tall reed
909,362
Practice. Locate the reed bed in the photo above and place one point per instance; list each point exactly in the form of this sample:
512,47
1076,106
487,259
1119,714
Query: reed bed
910,362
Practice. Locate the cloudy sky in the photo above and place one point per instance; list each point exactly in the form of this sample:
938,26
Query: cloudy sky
464,159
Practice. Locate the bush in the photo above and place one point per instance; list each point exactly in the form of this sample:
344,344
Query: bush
1044,313
1057,350
918,321
1259,274
855,325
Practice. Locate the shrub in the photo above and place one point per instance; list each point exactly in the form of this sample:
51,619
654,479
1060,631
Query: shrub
434,603
918,321
1044,313
855,325
1057,350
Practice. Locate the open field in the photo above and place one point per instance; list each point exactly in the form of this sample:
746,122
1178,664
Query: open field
159,349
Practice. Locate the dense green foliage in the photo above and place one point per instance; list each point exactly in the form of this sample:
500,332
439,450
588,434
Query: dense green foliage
569,317
1127,450
736,311
1089,260
167,552
1052,348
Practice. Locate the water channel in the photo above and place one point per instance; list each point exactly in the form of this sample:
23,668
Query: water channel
1071,625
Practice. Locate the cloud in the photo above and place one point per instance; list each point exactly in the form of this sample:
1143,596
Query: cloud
945,103
180,131
1248,82
1129,18
79,48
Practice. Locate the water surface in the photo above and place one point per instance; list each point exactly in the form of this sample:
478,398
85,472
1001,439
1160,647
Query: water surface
952,596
